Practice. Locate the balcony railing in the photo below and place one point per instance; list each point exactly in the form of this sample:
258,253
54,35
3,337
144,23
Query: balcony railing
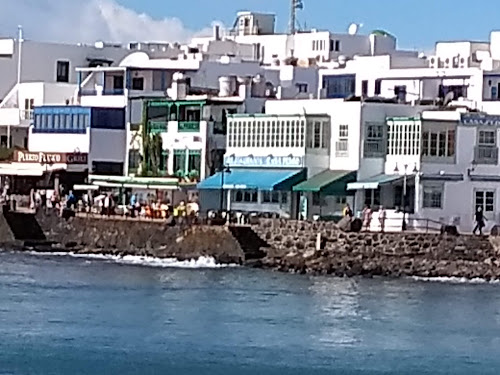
486,155
88,92
189,126
374,148
158,126
113,92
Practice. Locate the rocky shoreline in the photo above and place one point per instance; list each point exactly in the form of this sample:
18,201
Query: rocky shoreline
294,249
314,248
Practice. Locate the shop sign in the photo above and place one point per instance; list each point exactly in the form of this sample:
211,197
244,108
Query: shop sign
480,119
265,161
50,157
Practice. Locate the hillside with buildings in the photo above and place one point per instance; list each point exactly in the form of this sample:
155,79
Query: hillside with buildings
294,125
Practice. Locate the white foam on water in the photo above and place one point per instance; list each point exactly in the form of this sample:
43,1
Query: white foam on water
136,260
455,280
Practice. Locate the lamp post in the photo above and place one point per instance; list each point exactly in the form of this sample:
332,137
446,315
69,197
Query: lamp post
223,171
405,188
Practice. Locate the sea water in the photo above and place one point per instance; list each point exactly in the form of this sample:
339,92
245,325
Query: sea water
65,315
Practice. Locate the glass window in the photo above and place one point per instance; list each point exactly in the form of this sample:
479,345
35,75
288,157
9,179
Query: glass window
433,196
343,131
485,200
317,134
284,197
239,196
372,198
487,138
266,197
62,71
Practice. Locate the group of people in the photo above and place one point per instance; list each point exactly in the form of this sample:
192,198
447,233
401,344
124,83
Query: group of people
366,216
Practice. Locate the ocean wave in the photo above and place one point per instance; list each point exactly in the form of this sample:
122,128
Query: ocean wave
136,260
455,280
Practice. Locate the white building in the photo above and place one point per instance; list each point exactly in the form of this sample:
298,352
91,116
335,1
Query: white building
459,168
37,73
307,47
266,156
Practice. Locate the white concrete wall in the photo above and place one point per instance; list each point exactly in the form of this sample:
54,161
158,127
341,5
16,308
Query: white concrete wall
66,143
39,62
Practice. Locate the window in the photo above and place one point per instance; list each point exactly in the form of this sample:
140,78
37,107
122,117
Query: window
302,87
378,87
316,198
332,45
238,196
486,151
270,197
339,86
107,168
250,196
485,200
179,162
134,160
487,138
400,93
433,196
342,147
62,71
374,140
194,163
317,134
439,144
372,198
284,197
403,137
494,93
118,82
364,88
337,45
138,83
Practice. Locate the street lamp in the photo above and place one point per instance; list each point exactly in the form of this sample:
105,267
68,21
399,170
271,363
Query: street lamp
223,171
405,188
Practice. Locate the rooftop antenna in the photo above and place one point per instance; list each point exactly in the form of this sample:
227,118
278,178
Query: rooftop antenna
295,5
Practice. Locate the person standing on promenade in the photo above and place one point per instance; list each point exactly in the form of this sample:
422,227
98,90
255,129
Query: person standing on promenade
367,217
347,211
382,216
480,224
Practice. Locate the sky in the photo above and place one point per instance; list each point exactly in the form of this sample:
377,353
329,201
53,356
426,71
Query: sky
418,24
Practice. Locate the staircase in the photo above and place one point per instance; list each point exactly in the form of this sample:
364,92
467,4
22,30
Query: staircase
249,241
24,227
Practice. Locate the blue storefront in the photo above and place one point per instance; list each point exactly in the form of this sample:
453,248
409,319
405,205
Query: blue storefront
262,185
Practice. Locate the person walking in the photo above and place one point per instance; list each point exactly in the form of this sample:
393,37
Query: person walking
367,217
382,216
480,221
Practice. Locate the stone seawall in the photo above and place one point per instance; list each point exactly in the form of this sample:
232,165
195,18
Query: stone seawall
294,249
144,238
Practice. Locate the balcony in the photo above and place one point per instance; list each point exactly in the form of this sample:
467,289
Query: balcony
189,126
15,116
486,155
156,127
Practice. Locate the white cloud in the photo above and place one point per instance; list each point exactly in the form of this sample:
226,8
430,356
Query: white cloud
88,21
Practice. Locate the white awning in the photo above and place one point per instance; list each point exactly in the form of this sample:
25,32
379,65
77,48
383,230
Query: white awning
373,183
85,187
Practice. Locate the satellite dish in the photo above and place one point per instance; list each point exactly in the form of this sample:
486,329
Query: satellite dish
448,98
353,29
